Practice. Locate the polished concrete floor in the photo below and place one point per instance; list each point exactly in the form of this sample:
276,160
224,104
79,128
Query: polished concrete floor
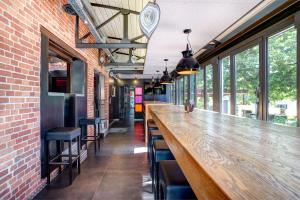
118,171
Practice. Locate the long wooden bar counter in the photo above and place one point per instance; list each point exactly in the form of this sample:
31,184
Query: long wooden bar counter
226,157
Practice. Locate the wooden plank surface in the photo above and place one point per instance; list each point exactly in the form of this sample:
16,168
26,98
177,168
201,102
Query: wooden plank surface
226,157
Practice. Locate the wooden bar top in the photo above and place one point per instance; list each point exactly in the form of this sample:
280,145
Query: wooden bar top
227,157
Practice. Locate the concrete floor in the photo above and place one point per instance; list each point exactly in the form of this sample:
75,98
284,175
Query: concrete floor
118,171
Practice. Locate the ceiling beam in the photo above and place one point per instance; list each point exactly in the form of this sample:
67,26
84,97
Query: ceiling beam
116,64
101,25
127,54
121,68
137,37
115,8
112,45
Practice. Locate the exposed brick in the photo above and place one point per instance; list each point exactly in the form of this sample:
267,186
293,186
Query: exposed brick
20,37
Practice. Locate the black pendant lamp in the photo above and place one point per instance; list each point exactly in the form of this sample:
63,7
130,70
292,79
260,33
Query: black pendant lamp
157,83
188,64
152,82
166,78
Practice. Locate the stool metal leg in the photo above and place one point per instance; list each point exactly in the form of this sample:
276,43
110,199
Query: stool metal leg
58,151
99,136
70,162
156,180
47,162
160,191
78,151
95,138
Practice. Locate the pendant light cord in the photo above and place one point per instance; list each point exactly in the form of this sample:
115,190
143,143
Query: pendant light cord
166,63
187,38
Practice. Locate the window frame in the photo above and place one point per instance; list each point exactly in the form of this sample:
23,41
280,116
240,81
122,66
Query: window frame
261,40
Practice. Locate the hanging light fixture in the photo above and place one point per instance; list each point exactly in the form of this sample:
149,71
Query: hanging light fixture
166,78
157,83
152,82
188,64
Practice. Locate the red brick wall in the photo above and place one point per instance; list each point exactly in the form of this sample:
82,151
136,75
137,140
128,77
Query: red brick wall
20,22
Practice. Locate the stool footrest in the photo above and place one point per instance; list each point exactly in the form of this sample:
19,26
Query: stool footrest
74,158
94,138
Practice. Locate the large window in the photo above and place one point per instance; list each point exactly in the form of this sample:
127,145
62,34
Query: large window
173,92
225,63
186,88
181,92
192,88
247,82
282,77
200,89
209,86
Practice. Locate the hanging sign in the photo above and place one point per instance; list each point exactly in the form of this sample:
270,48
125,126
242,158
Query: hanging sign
149,18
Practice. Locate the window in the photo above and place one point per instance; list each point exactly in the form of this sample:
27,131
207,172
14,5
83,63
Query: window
209,87
282,77
225,63
181,92
192,88
58,74
173,92
200,89
247,82
186,88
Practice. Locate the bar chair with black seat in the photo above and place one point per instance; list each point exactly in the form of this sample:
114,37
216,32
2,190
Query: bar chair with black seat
84,123
61,135
172,183
161,152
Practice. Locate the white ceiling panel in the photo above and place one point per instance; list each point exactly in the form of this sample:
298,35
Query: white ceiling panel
206,18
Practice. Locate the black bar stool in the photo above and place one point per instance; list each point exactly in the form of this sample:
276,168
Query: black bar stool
84,123
151,125
161,152
67,134
153,136
172,182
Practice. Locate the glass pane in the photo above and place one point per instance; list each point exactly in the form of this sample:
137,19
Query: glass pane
226,85
282,77
186,88
173,92
181,91
58,75
247,81
209,86
200,89
192,88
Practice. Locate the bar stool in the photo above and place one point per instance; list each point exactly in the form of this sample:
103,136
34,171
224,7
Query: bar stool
153,135
67,134
161,152
172,182
84,123
151,125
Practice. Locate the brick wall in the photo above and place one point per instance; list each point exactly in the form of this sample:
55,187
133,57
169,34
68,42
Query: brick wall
20,22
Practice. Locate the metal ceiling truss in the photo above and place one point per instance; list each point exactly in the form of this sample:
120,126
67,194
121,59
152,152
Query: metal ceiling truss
124,64
125,42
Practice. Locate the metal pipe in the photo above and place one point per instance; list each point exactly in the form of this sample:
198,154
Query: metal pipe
84,15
